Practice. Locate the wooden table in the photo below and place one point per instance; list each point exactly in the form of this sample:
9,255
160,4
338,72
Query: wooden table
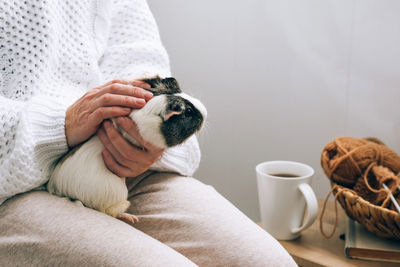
312,249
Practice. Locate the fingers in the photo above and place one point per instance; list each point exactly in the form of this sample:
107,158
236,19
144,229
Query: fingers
103,113
138,83
131,128
141,83
127,89
113,166
108,144
124,152
108,100
123,158
119,95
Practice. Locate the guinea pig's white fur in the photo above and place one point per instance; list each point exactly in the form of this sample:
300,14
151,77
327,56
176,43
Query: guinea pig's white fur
83,175
148,120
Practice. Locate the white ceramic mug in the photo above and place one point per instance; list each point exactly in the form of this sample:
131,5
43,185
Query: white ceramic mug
283,199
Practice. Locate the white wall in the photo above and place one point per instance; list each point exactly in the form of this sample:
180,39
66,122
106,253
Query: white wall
282,78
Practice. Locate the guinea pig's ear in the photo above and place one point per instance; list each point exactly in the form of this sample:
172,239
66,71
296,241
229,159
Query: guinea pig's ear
163,86
176,106
171,85
154,82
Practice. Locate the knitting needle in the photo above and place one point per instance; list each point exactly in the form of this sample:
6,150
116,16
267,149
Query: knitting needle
392,198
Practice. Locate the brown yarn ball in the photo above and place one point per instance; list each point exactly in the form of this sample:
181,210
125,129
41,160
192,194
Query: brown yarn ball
346,158
362,190
373,192
385,176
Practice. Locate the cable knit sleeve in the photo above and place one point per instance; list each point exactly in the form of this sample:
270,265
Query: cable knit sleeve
133,49
47,60
32,137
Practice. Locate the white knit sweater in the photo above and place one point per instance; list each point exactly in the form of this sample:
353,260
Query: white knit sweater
51,52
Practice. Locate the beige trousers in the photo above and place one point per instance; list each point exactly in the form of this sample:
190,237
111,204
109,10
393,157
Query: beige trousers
183,222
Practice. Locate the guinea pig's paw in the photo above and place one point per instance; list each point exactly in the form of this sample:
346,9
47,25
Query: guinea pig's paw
128,218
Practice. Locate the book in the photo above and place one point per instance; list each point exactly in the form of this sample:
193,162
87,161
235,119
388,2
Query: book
362,244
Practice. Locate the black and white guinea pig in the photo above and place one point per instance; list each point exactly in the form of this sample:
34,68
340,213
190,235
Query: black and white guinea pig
168,119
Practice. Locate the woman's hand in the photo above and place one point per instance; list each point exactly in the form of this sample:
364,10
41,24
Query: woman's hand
120,156
113,99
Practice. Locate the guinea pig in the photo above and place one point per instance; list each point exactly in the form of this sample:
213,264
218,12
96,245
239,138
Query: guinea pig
168,119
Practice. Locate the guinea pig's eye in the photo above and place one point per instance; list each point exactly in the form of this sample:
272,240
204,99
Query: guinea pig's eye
189,110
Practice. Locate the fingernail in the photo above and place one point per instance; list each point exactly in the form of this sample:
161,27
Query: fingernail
146,86
148,95
140,101
127,110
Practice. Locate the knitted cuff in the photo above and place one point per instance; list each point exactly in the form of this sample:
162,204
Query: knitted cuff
46,117
183,159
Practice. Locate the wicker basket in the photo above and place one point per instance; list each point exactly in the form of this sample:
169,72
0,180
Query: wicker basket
381,221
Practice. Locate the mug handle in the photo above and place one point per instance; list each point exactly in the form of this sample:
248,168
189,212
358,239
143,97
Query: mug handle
312,207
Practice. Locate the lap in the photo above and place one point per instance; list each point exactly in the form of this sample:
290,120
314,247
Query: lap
38,229
195,220
181,221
